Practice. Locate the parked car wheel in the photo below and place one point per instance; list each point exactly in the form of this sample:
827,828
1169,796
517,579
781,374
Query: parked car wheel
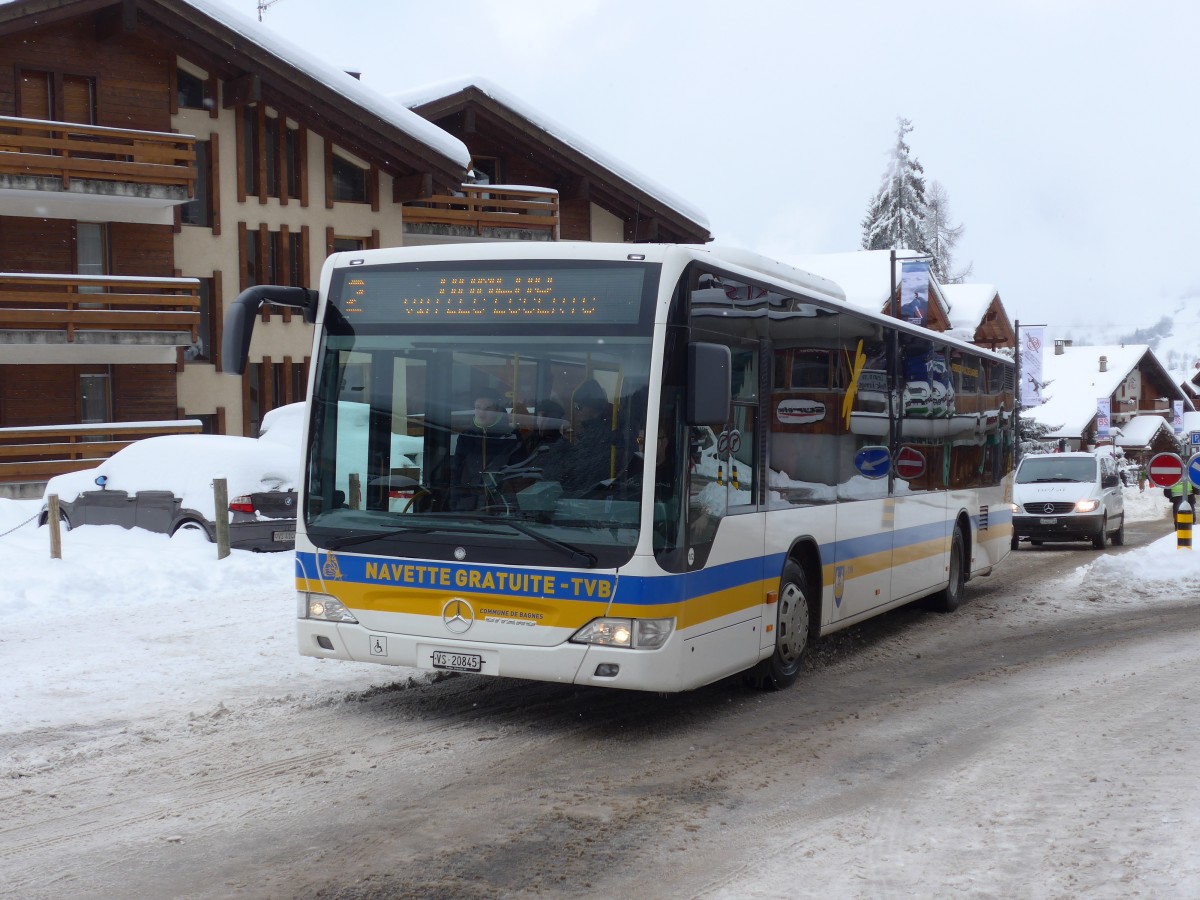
191,525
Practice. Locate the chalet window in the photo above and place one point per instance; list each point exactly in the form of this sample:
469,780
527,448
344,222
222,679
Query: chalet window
198,211
202,349
95,398
349,243
251,150
193,92
274,257
349,181
57,97
271,157
292,161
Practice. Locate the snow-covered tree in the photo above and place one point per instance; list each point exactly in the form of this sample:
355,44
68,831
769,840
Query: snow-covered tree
896,215
941,237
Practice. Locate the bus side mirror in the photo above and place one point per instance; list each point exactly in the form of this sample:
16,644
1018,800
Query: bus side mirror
710,384
239,319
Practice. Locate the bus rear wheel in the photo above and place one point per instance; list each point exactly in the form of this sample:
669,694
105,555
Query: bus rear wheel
793,622
949,598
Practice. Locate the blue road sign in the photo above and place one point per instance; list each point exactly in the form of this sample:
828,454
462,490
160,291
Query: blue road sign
873,462
1193,470
1196,438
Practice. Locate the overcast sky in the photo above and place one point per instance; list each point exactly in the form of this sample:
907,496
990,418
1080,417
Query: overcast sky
1066,132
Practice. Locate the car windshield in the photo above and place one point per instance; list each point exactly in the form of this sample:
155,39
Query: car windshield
1049,469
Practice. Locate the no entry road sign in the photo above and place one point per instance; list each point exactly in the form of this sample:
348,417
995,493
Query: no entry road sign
909,463
1166,469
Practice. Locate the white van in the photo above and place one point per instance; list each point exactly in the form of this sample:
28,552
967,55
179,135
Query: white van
1068,497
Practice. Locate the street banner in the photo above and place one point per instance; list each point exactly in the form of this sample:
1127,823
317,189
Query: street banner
914,292
1103,416
1177,407
1031,366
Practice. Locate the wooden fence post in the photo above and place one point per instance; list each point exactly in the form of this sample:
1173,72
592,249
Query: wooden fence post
55,531
221,515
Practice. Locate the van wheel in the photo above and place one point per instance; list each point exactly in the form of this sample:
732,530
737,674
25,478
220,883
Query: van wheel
1015,543
949,598
1101,536
1118,536
792,623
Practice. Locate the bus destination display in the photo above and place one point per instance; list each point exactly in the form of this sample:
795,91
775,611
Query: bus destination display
600,295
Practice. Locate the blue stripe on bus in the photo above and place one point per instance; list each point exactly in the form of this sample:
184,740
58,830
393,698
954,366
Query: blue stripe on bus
641,590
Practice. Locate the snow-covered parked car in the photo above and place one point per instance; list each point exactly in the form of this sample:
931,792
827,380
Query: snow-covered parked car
165,484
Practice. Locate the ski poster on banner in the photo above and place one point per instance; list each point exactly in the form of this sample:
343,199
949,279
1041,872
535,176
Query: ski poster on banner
1031,366
1103,416
1177,411
914,292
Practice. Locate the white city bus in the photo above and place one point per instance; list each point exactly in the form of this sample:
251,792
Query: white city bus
699,460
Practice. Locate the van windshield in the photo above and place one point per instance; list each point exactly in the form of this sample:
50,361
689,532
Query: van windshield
1048,469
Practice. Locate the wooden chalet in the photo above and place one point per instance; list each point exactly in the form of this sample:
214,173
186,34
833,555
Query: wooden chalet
157,157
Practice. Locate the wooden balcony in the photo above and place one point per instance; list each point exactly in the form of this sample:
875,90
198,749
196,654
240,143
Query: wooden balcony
72,304
497,211
69,152
36,453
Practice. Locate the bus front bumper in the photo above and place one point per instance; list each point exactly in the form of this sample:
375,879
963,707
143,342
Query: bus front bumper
565,663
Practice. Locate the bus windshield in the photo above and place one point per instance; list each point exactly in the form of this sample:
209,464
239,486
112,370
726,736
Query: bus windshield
519,443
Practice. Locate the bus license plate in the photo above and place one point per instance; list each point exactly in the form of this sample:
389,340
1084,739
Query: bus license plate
1049,521
283,537
458,662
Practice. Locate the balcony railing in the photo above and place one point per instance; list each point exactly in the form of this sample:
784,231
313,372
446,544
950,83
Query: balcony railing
72,303
487,210
67,150
36,453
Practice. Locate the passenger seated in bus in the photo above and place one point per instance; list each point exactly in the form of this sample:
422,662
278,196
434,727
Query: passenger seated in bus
547,430
586,457
487,446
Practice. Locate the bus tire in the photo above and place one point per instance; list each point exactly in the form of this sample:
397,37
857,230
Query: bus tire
1100,537
793,625
949,598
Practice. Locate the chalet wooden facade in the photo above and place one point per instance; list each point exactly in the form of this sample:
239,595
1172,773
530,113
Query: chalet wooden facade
511,144
157,158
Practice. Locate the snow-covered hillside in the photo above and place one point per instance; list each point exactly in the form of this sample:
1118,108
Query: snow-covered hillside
1171,329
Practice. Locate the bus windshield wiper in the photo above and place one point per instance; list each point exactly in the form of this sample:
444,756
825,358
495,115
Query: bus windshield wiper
577,554
351,540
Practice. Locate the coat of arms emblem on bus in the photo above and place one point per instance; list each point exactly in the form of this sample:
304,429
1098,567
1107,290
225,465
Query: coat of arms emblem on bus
331,569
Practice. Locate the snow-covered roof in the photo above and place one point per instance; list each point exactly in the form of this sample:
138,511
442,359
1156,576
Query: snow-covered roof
429,93
864,275
1074,383
335,79
968,304
1140,430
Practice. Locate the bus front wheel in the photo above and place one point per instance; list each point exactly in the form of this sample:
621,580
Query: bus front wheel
793,622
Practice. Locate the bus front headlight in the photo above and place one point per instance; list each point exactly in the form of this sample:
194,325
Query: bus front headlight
637,634
328,609
1086,506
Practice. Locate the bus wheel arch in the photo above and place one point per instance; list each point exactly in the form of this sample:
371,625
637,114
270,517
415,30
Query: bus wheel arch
797,620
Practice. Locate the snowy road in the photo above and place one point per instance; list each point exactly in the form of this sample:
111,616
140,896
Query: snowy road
1038,743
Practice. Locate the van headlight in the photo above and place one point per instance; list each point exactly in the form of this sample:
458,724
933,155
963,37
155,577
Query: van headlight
326,608
637,634
1086,505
